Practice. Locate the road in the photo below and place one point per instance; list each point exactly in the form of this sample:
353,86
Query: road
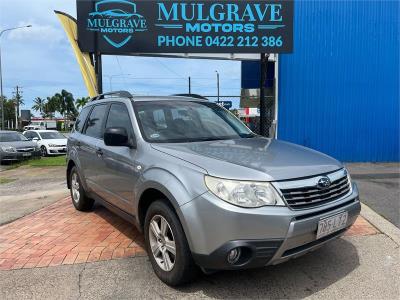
379,186
348,268
32,189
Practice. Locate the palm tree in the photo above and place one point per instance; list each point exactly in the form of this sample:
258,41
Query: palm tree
81,102
48,110
65,105
38,104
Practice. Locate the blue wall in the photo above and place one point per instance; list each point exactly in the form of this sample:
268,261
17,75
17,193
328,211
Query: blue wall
339,89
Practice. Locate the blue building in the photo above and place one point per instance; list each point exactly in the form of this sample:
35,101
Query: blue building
338,92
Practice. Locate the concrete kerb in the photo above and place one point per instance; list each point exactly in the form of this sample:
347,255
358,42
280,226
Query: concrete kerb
381,223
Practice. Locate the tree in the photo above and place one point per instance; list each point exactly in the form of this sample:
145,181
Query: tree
64,104
38,104
81,102
48,110
9,110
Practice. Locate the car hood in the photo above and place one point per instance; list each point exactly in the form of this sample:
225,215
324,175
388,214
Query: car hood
56,141
253,159
19,144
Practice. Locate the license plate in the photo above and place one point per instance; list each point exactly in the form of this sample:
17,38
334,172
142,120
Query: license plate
331,224
26,154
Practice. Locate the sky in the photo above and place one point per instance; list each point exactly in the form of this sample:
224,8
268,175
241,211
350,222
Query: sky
41,61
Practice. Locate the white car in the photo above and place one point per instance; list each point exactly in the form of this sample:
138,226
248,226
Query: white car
51,142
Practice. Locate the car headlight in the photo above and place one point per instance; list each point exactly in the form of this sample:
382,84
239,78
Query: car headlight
244,193
8,149
53,145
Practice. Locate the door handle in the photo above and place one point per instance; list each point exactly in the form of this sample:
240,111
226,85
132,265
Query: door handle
99,152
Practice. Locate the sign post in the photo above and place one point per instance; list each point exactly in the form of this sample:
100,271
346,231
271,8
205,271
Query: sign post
263,102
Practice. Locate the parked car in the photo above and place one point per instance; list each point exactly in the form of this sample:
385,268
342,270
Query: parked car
41,125
14,147
51,142
205,190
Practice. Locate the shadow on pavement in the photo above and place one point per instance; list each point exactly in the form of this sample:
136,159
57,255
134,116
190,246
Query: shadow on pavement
297,278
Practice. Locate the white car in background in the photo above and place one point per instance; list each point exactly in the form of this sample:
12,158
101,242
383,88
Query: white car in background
50,142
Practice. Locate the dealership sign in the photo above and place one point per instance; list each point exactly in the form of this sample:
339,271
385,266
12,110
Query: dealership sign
148,26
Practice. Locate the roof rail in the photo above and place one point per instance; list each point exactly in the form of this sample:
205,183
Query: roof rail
197,96
121,94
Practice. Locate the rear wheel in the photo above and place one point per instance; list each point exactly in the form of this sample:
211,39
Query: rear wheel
78,194
167,246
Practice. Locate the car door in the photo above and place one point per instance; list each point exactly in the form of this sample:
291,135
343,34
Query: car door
118,172
89,156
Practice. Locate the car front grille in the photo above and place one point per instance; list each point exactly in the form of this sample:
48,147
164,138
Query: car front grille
302,197
25,149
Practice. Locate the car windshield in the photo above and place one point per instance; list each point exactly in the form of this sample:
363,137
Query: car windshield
51,135
187,121
12,137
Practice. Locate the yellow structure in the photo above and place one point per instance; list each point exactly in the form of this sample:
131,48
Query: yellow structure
84,61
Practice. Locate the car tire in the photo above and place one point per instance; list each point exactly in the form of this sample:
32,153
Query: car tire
183,268
78,194
43,151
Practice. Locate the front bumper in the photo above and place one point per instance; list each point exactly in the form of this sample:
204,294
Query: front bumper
56,150
269,235
17,156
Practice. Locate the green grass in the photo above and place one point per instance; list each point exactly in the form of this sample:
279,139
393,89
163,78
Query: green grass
4,180
52,161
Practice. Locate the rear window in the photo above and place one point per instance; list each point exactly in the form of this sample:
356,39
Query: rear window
80,121
94,124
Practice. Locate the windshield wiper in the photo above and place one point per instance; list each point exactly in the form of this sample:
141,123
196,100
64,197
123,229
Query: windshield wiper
249,136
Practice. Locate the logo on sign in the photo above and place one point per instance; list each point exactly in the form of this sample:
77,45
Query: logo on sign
323,183
117,25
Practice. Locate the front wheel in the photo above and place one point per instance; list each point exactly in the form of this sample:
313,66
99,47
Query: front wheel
43,151
167,246
78,194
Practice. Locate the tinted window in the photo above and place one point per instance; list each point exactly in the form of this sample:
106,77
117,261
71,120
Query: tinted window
28,134
187,121
34,135
94,123
81,119
119,117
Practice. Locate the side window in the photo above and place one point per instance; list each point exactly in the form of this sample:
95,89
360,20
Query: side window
28,135
35,135
80,121
119,117
94,123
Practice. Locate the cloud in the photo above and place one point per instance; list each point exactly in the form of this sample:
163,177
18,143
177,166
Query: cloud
38,32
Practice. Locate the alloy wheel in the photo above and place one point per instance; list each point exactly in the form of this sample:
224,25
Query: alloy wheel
43,150
75,187
162,243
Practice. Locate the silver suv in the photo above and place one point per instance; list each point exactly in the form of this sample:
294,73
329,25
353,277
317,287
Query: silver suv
206,192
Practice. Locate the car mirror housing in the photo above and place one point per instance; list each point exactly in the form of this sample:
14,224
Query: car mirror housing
117,136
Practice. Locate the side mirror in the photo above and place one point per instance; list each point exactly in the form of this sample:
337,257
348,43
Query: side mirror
35,139
117,136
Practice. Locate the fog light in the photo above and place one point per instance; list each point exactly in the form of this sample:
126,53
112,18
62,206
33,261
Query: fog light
234,255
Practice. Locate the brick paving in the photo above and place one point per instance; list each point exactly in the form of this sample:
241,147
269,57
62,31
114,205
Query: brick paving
60,235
